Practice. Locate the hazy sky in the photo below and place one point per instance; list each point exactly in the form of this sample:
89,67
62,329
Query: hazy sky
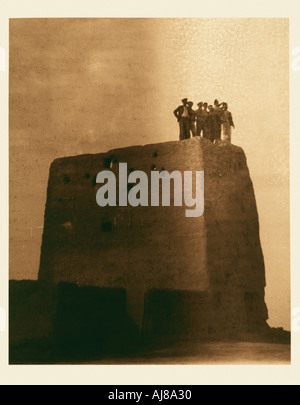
89,85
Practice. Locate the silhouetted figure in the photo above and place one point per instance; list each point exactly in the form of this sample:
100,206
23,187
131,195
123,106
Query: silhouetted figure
182,115
201,117
217,106
192,117
206,124
209,130
206,121
216,120
227,123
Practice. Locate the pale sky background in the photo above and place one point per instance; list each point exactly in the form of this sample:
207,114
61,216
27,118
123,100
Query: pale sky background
89,85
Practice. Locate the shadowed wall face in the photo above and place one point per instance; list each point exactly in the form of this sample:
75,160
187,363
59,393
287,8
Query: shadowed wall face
50,323
90,85
138,248
146,248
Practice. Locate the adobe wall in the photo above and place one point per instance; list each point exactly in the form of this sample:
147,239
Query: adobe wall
32,309
234,256
51,323
146,248
137,248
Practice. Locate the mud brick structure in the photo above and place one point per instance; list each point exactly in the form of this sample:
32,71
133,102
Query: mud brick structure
203,275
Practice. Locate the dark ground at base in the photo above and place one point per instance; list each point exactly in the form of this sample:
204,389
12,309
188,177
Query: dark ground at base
193,353
213,353
67,324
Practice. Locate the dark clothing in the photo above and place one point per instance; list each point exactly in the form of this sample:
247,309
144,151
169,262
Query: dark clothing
179,111
200,128
184,122
201,118
216,127
184,128
208,127
192,117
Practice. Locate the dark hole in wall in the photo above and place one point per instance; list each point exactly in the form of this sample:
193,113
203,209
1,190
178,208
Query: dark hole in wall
107,162
129,186
106,226
87,175
66,179
131,169
153,167
155,154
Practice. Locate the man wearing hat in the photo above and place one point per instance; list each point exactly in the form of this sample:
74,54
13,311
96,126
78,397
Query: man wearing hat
182,115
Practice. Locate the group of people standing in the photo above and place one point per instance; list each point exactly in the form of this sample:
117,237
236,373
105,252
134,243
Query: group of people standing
207,121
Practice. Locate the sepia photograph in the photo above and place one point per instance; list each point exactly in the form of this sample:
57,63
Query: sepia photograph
149,191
